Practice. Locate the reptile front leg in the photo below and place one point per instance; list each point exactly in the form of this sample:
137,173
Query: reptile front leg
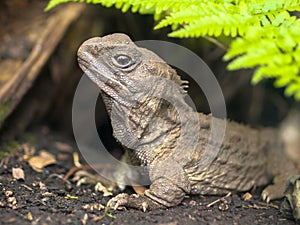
170,185
162,194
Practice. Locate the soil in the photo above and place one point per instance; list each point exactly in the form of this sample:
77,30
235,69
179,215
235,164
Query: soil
46,198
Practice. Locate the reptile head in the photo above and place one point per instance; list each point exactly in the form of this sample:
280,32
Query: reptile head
121,69
113,63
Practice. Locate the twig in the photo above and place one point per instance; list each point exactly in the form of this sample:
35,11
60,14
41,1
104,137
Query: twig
268,205
218,200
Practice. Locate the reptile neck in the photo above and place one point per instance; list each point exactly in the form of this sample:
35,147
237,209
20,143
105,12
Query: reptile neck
160,135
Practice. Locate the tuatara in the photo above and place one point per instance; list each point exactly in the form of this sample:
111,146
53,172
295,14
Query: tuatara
153,129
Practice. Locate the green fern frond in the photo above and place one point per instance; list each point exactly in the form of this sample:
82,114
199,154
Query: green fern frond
214,19
209,19
123,5
265,6
275,55
206,17
141,6
265,35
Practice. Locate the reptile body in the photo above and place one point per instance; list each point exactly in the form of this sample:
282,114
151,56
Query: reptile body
144,97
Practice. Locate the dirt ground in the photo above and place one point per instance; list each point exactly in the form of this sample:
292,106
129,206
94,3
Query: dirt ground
46,198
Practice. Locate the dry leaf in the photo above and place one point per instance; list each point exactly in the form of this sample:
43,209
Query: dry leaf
29,216
42,186
247,196
18,173
94,206
76,159
42,160
84,219
99,187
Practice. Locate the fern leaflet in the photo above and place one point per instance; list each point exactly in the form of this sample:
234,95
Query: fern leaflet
265,34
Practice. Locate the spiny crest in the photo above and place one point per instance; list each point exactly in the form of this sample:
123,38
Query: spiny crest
167,72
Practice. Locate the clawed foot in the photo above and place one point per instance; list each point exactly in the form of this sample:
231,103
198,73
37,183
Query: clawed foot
122,201
118,202
273,192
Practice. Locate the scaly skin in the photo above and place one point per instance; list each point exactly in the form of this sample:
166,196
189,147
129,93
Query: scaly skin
145,100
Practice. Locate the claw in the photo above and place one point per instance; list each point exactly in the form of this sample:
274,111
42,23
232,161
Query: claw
273,191
265,196
144,206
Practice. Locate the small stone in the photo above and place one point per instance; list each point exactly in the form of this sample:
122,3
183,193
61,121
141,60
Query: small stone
8,193
247,197
12,200
193,203
223,206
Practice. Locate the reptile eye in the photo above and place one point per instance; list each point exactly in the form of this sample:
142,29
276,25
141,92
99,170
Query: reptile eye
122,61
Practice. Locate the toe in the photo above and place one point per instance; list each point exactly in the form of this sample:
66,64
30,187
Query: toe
118,202
273,192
